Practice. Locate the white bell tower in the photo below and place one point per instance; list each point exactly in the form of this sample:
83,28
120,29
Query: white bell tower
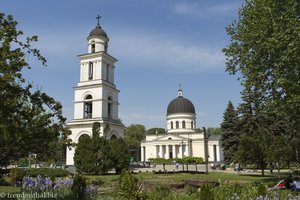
96,95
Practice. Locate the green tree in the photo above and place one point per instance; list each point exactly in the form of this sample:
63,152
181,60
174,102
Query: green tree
153,131
84,157
134,134
120,155
214,131
29,119
264,50
230,134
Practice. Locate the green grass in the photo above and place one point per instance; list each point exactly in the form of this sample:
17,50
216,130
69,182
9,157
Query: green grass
151,178
10,189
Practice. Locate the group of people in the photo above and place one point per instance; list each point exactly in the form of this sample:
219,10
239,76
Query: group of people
292,183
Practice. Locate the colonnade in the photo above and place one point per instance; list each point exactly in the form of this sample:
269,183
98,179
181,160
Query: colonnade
167,151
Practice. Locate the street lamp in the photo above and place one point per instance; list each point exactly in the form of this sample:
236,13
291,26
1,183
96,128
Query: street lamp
206,136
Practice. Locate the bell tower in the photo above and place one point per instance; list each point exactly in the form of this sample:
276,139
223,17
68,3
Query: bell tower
96,95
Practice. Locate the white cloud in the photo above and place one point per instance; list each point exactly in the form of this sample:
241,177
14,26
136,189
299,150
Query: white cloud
161,52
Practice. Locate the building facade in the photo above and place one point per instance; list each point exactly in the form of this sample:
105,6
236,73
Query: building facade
182,139
96,95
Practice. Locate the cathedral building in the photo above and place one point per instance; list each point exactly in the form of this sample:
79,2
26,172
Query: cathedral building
96,95
182,139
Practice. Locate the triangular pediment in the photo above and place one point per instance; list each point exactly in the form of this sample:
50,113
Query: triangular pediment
170,137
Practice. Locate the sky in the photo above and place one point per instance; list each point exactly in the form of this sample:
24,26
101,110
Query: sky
159,44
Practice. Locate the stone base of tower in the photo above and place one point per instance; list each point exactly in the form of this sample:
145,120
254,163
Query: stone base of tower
84,127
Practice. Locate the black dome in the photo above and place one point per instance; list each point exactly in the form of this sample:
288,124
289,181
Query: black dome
97,32
180,105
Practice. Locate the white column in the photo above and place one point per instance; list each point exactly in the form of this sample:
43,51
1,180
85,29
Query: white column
160,151
180,151
187,150
174,151
142,154
167,151
155,151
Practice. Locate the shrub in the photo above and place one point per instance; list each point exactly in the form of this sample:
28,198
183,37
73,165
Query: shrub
47,172
160,192
97,182
206,192
78,187
16,176
129,187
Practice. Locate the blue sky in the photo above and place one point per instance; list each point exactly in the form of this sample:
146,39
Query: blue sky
159,44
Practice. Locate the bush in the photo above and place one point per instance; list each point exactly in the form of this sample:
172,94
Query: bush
206,192
78,187
47,172
16,176
129,188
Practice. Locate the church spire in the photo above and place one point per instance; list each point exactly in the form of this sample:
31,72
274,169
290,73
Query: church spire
180,92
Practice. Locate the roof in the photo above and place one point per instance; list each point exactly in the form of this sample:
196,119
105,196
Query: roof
180,105
97,32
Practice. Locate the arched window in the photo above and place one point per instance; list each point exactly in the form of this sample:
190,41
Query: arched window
109,107
192,125
177,124
172,125
183,124
83,136
88,107
113,137
90,70
93,47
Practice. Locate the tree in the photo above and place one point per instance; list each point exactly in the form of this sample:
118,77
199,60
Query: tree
153,131
134,134
230,133
120,155
214,131
84,157
264,50
29,119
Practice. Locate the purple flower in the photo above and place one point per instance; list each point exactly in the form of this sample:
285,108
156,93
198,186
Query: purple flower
91,190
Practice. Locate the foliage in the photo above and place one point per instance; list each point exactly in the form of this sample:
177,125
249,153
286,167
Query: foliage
16,175
230,133
129,187
134,134
78,187
97,155
160,192
214,131
265,50
29,119
46,172
206,192
120,155
153,131
84,157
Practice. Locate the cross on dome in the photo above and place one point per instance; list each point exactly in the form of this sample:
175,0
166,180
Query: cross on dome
98,18
180,93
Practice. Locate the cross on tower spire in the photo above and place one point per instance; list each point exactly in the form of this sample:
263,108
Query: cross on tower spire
98,18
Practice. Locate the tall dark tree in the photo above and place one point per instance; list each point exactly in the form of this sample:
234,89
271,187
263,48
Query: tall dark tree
29,119
84,157
230,133
264,50
120,155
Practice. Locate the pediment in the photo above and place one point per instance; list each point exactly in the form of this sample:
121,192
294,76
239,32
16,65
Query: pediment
170,137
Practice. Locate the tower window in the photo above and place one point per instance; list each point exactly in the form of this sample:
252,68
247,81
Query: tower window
183,124
177,124
93,48
172,125
90,70
109,108
88,107
107,72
